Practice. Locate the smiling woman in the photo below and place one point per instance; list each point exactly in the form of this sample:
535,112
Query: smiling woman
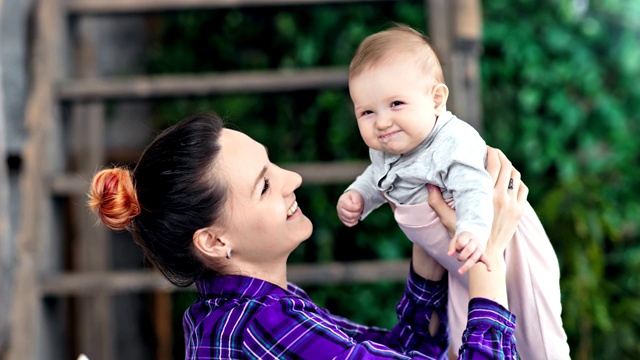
207,205
263,223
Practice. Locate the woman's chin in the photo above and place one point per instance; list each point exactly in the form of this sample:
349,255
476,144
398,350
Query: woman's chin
308,228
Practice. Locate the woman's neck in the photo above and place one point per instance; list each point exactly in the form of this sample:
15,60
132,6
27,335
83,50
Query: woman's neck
273,273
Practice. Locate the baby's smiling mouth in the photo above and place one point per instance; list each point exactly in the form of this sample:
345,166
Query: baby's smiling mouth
386,137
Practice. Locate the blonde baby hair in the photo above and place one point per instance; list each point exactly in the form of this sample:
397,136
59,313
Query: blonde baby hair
399,39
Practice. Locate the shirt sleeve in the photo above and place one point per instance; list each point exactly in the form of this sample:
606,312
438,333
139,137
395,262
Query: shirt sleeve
460,162
489,333
365,184
296,328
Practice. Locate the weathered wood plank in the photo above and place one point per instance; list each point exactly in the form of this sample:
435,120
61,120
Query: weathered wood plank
465,72
440,32
36,207
143,6
328,173
92,283
312,173
162,325
91,247
7,250
145,87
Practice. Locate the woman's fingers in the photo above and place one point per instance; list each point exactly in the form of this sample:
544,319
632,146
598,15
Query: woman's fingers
523,192
493,163
514,180
506,169
509,199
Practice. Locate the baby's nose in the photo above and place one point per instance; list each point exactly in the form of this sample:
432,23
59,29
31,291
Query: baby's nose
384,121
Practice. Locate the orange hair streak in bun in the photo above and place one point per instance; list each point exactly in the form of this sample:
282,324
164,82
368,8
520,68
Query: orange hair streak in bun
113,198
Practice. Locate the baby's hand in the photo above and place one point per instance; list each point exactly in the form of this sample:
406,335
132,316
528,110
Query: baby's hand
470,250
350,207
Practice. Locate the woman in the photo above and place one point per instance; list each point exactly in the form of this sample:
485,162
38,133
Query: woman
206,205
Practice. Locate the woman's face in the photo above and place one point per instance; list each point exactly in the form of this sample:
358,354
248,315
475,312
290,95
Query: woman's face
263,221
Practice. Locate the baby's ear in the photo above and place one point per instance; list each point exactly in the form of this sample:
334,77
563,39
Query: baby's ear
440,95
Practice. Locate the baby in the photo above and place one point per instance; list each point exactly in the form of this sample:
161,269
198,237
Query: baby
399,96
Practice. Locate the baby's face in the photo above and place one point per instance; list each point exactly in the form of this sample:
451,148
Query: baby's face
394,105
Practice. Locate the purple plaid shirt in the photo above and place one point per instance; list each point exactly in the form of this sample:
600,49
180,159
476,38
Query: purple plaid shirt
239,317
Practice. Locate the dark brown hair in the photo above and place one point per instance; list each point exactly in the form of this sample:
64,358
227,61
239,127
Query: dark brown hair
172,192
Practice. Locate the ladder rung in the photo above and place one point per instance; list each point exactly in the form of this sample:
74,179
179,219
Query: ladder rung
328,172
144,87
141,6
92,283
312,173
69,184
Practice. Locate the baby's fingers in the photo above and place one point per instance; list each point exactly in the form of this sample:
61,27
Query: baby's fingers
458,243
477,256
467,265
351,206
452,246
468,251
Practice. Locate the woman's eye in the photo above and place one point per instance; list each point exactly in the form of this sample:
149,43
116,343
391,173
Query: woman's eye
396,103
265,188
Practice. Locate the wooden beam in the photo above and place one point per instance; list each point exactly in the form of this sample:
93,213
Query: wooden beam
145,87
328,173
7,248
28,327
163,324
94,7
92,283
91,247
312,173
440,33
465,59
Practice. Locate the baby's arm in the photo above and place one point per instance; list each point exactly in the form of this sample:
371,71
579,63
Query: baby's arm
460,163
360,198
473,203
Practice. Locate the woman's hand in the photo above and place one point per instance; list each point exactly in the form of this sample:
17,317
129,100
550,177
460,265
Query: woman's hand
508,204
509,199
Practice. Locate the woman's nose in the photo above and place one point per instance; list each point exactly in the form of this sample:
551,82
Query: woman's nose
293,180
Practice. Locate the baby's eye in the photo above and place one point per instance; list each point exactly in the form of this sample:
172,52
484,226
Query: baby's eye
396,103
266,186
366,112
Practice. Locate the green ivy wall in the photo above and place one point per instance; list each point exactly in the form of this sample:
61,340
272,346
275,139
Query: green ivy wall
561,97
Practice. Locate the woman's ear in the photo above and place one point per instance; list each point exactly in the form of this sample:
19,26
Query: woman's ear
440,95
208,242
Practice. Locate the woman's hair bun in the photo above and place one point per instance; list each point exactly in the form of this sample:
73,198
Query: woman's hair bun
113,197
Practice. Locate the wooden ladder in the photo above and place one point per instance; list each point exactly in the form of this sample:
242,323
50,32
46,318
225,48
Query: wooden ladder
46,178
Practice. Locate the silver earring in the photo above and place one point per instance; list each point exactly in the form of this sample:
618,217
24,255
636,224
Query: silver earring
228,254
